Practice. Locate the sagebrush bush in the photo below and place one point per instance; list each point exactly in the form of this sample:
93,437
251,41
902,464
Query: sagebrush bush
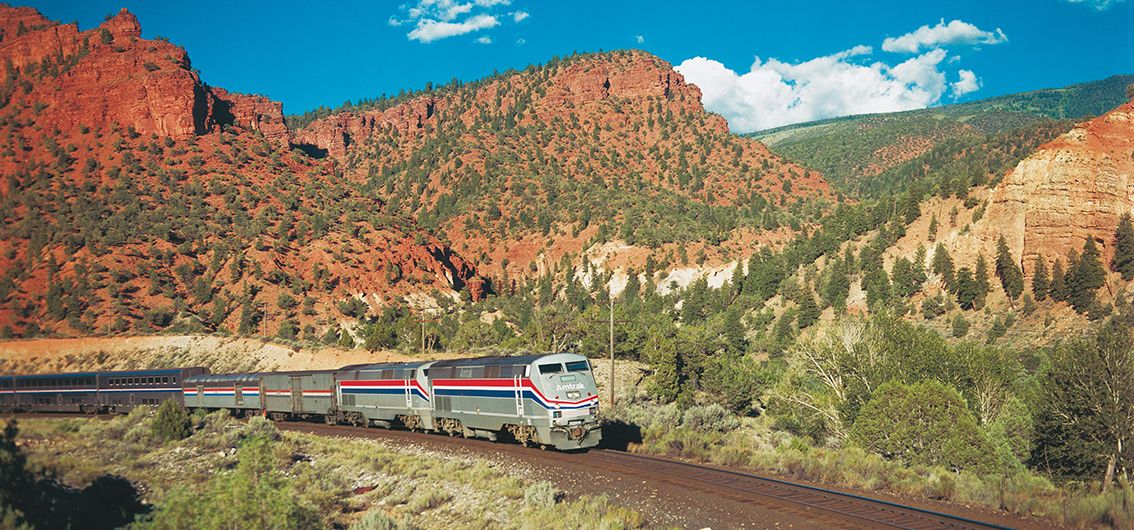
541,494
376,519
710,418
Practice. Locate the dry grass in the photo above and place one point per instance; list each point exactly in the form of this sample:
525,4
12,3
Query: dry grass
345,480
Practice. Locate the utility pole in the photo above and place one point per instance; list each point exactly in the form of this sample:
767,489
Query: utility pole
611,321
423,320
611,297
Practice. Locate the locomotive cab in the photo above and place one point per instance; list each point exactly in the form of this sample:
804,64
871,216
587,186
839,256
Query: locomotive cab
565,386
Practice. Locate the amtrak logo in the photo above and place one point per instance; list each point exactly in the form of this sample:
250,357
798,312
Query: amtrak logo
569,386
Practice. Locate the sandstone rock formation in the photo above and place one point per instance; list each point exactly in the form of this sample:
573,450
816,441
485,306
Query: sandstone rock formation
125,208
1073,188
109,76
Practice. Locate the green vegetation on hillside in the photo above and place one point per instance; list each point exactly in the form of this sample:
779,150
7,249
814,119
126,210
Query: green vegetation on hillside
867,153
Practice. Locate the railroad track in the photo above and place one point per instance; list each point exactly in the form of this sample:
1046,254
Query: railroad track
836,509
873,513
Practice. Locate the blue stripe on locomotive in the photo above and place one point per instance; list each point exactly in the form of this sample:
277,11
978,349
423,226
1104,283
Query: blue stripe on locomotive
510,394
381,391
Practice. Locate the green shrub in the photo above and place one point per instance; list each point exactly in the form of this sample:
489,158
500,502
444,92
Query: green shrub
172,422
712,417
254,495
924,423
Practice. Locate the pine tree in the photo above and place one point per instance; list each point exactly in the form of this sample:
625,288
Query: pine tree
808,310
1058,287
905,284
1123,262
1088,276
1040,282
967,289
943,265
876,283
1010,276
982,281
838,285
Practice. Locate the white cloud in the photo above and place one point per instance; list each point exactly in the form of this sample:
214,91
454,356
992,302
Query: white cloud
455,11
429,30
967,83
440,19
955,32
1099,5
639,39
484,40
774,93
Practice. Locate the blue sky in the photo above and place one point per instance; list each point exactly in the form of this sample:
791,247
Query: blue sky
816,59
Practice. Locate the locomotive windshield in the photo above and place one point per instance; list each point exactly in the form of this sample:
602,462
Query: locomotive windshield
578,366
550,368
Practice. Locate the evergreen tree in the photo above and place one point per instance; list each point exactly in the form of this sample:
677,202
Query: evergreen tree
967,289
808,310
1123,262
984,285
877,286
904,280
1088,276
943,265
1058,287
1040,282
919,265
1010,276
695,301
838,285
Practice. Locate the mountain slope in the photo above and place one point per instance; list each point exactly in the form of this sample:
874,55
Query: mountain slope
866,153
525,167
136,197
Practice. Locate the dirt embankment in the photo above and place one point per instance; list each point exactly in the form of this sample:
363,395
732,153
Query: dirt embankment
219,354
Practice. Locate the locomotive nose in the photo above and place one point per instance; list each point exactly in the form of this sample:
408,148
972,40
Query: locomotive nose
577,433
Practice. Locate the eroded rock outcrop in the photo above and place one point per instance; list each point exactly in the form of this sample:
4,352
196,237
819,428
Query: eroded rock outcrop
110,76
1073,188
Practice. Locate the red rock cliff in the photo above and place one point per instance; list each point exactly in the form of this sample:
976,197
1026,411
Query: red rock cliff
110,76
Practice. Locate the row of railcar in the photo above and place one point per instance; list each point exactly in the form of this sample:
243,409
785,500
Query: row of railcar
92,392
535,399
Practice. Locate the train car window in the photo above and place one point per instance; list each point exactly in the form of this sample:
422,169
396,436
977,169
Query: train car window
165,380
491,372
578,366
174,380
550,368
411,373
465,373
425,372
387,374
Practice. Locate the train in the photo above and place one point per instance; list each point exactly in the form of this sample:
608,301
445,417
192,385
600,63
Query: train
544,400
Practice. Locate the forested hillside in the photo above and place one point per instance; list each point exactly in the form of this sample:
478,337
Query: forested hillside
872,154
126,212
525,167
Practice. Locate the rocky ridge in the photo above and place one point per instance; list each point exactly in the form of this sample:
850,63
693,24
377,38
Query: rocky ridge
135,197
